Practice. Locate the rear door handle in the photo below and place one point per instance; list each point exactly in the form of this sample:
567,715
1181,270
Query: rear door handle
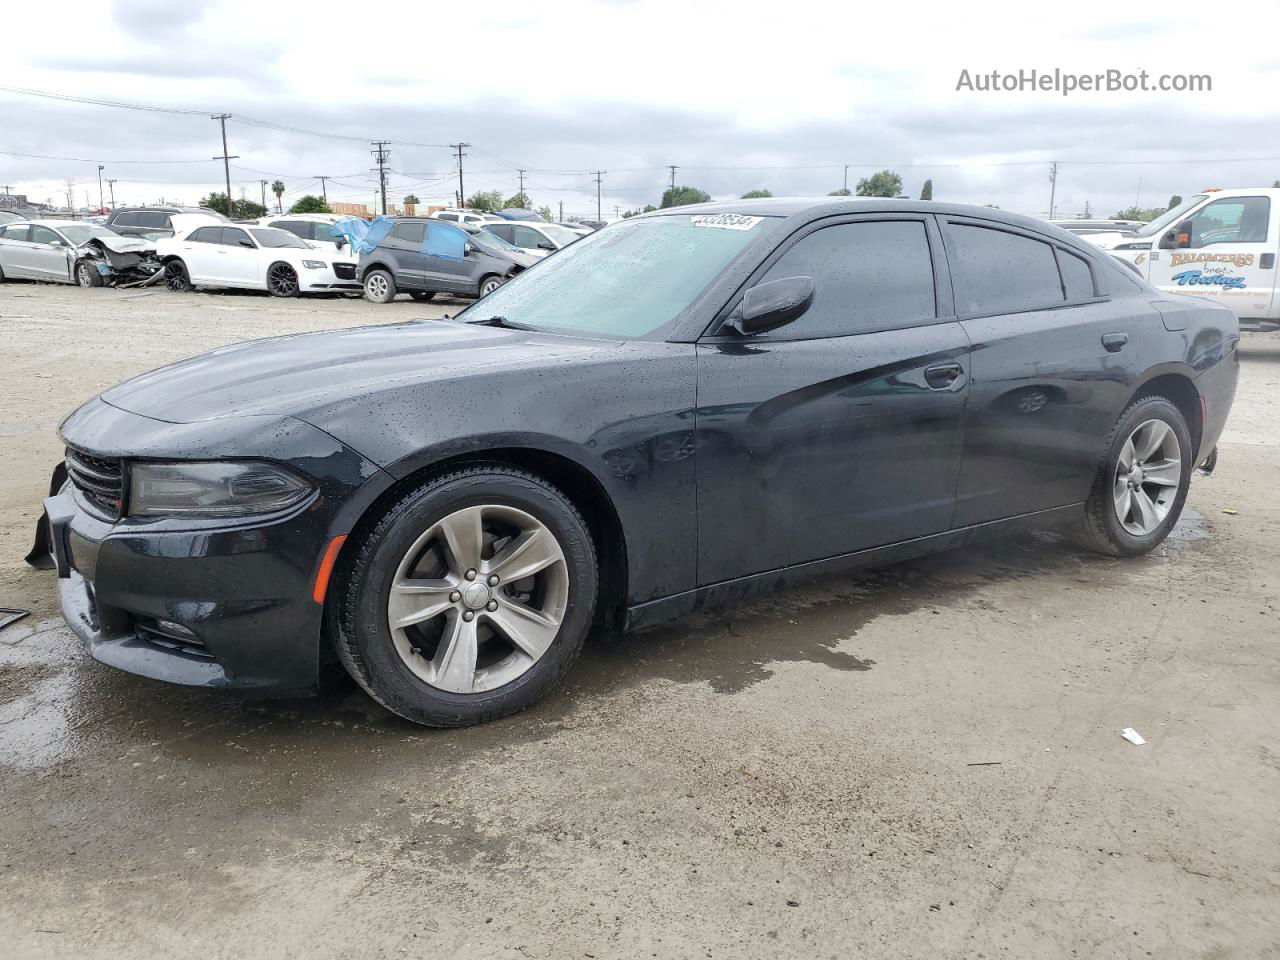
1114,341
942,375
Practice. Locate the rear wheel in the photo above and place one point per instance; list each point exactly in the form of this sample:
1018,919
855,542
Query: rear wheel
1142,481
422,296
469,599
489,284
379,286
87,274
282,280
176,277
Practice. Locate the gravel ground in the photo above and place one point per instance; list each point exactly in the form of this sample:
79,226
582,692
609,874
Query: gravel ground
919,761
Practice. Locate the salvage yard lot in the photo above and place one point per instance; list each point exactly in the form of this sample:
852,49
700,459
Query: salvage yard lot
923,760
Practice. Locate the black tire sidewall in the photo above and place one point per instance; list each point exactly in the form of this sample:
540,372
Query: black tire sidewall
1151,408
422,296
180,268
393,683
297,281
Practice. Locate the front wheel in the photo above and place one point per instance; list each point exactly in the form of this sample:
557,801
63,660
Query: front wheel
469,599
1142,481
176,277
379,287
87,275
489,284
282,280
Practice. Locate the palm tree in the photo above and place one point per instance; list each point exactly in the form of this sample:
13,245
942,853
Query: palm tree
278,189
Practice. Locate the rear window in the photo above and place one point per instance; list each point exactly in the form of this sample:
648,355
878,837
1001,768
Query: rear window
152,218
1077,278
1000,272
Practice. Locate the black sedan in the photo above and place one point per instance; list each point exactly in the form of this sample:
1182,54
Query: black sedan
686,408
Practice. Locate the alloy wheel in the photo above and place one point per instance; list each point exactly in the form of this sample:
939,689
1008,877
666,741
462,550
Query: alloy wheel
1148,474
175,278
282,281
377,286
490,286
83,277
478,598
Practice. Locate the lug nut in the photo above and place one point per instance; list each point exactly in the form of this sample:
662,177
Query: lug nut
468,616
470,574
493,579
455,597
491,606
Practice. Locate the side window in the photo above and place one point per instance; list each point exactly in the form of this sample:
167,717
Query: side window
501,230
323,231
1077,278
231,236
448,216
1231,220
411,233
43,235
126,219
999,272
207,235
155,219
527,237
299,228
15,231
867,276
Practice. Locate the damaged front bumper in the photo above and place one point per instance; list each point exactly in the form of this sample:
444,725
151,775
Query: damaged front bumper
121,262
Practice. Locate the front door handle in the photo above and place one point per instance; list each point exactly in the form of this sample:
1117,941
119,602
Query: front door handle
1114,341
942,375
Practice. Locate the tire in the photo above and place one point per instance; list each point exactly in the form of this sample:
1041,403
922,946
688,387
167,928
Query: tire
379,286
489,284
410,670
282,280
176,277
1137,497
422,296
87,275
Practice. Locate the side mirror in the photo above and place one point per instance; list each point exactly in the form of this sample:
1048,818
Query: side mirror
247,243
1184,230
468,249
546,245
772,305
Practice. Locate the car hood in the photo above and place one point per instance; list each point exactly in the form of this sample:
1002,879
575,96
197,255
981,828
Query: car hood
137,245
295,375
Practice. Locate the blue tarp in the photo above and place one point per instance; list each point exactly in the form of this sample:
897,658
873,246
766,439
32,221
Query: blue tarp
363,235
444,240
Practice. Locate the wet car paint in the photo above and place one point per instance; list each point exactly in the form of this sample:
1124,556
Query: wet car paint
703,453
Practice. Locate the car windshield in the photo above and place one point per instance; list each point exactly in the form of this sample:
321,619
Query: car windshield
1169,216
79,233
491,241
560,235
627,281
271,237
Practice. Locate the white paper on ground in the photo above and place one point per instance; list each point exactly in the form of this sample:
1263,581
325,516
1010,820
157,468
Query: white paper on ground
1132,735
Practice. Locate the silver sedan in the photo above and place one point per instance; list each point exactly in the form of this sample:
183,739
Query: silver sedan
50,250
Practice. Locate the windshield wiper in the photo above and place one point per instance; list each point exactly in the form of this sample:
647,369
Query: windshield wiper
498,321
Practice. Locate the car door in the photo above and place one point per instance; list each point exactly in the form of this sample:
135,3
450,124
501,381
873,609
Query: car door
15,251
48,254
449,267
404,243
1226,252
199,251
841,430
240,262
1054,358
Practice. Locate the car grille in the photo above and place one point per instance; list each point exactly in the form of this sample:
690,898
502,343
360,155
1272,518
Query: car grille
100,482
344,271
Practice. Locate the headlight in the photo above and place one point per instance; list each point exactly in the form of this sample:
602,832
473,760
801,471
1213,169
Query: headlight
1132,246
212,489
314,264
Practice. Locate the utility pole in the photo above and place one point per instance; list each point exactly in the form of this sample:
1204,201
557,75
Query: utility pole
1053,186
111,185
673,168
846,178
1137,197
600,176
462,192
226,158
101,204
521,173
323,194
71,197
562,211
381,154
263,185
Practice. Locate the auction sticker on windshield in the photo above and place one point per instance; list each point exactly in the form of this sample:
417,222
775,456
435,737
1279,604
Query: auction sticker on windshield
726,221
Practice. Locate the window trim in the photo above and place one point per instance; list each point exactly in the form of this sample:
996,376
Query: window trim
1201,209
942,298
946,220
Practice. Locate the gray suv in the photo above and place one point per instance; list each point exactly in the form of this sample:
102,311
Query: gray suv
400,262
151,222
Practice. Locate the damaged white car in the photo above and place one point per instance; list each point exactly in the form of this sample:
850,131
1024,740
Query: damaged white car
69,251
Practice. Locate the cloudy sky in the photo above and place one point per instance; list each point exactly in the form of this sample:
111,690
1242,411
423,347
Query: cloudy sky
738,96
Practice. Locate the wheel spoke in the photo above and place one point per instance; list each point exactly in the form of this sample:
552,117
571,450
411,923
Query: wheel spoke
455,660
464,538
1126,456
413,601
532,551
1166,473
1124,500
1144,510
1151,440
529,630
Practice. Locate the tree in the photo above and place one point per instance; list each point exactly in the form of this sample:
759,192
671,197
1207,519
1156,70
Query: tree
545,214
1173,201
278,189
411,198
756,194
926,192
310,203
486,201
886,183
520,201
1138,213
842,192
241,209
680,196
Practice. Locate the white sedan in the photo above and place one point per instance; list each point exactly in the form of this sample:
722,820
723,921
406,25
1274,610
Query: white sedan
254,258
535,239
